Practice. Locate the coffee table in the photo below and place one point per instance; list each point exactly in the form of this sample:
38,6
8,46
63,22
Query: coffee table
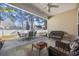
39,46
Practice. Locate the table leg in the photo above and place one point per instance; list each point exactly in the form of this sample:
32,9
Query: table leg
39,52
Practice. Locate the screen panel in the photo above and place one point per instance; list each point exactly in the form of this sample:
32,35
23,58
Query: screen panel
39,23
16,19
13,18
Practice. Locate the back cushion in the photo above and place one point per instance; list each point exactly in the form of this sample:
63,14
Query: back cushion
57,34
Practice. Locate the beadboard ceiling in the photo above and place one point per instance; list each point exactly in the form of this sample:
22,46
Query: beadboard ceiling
62,7
42,10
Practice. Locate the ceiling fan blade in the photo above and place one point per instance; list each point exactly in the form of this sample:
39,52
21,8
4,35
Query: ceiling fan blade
54,6
51,5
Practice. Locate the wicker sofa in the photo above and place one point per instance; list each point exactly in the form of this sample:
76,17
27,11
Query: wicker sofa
56,35
71,48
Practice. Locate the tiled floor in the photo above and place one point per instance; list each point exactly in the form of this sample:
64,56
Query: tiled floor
24,48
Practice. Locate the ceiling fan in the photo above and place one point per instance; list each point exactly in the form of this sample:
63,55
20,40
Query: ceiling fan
49,6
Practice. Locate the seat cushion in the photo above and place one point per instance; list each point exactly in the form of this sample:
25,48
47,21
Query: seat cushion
52,51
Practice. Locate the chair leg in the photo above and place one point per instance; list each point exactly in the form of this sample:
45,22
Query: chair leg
32,47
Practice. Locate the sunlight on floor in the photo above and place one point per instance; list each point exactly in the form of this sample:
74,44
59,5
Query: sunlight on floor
9,37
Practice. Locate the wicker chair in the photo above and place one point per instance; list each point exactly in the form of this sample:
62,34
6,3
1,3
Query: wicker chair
1,44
